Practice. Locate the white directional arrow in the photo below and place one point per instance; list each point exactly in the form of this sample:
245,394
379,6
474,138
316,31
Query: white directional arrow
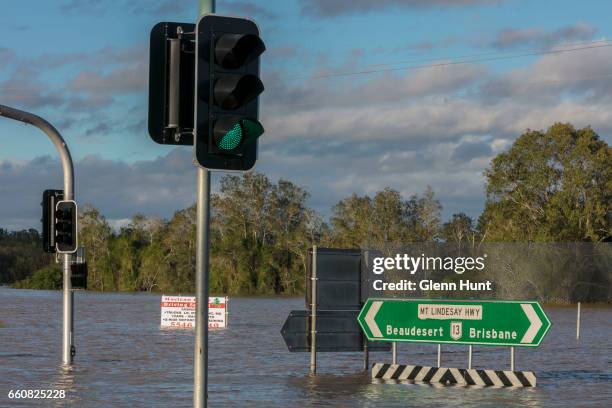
369,319
535,321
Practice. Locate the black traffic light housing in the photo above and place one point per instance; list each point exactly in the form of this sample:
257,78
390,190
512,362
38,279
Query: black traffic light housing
226,92
66,241
78,275
171,83
49,200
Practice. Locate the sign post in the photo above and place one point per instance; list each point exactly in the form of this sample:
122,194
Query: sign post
493,323
200,364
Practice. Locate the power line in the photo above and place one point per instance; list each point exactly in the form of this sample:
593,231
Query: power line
482,54
523,86
450,63
594,45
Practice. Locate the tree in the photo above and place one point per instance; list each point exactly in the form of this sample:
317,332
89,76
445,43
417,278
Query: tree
551,186
459,229
20,254
425,213
179,241
95,234
387,219
352,222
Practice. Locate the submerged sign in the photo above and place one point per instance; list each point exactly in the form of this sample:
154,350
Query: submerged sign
179,311
494,323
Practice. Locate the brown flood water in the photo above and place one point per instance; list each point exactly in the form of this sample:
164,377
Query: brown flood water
124,360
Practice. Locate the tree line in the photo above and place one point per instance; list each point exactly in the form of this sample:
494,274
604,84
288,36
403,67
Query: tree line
550,186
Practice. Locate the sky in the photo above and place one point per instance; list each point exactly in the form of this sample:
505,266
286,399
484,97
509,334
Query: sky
360,95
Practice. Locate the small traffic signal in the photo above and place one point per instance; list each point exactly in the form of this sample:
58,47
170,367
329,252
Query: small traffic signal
226,92
66,227
171,81
78,275
49,200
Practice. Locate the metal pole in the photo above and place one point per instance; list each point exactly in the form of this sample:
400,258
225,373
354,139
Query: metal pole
68,349
511,358
394,352
200,370
366,355
469,357
313,312
200,367
439,355
578,322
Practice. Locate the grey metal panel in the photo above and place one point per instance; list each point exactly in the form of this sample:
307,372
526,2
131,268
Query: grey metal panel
333,295
338,264
338,279
337,331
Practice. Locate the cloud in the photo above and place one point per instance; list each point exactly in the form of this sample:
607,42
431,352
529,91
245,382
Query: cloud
365,91
404,129
105,73
24,89
584,75
155,187
471,150
540,38
151,7
247,9
124,80
79,6
332,8
101,129
364,168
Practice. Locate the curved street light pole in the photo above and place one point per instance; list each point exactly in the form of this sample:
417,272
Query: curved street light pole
68,349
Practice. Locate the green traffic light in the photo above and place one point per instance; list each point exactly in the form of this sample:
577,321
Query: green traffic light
242,132
231,139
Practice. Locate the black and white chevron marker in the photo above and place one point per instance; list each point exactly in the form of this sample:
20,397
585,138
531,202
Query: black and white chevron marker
451,376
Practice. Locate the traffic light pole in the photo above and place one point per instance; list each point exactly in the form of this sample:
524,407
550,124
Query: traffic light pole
200,365
68,169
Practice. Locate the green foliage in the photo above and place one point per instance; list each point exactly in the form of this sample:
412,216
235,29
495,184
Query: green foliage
20,254
50,277
385,219
259,233
550,186
459,230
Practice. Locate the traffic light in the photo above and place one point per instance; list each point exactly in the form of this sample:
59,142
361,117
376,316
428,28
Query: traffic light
66,227
171,82
49,200
78,270
78,275
226,92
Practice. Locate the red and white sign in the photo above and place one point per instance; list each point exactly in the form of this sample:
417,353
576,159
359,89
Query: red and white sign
179,311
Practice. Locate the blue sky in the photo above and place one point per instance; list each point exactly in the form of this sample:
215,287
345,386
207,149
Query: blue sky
360,95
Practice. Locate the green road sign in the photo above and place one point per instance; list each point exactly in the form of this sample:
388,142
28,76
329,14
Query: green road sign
492,323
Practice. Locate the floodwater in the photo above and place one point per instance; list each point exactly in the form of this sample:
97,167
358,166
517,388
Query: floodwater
124,360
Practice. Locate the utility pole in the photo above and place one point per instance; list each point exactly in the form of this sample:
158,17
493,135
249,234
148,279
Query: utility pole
68,349
200,366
